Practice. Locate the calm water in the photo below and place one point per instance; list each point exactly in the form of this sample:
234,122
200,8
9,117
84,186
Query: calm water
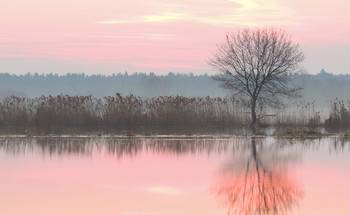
161,176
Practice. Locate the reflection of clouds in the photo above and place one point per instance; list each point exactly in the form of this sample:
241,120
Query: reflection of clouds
155,189
168,190
165,190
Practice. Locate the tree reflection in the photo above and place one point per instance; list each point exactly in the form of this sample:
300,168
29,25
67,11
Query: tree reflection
258,183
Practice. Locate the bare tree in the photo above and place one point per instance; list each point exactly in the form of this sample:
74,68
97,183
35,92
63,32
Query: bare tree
255,64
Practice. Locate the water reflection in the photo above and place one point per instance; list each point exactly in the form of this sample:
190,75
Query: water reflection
169,145
256,178
119,147
257,181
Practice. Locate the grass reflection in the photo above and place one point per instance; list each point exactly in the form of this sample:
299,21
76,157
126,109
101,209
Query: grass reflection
120,147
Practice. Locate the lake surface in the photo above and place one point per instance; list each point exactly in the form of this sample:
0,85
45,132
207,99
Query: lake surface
174,175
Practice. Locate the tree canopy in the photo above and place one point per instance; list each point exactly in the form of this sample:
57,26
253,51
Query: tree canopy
254,63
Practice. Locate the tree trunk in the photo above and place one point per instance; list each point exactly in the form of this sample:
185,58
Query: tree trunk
254,122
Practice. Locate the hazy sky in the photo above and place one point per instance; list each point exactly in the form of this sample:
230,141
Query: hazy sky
161,36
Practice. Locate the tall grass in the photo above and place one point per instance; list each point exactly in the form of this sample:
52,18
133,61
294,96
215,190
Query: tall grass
118,111
121,111
303,114
339,117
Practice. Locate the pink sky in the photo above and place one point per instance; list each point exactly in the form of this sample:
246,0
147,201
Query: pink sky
160,36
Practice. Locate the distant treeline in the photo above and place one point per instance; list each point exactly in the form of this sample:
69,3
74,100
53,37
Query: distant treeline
140,84
320,88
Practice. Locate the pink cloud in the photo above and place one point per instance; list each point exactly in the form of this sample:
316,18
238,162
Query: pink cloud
157,31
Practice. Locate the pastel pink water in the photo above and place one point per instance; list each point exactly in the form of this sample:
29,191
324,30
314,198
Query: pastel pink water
151,182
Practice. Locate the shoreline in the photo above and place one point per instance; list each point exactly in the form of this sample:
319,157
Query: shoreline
178,136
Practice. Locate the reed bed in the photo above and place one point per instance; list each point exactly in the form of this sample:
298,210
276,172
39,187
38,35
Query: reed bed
302,113
339,117
130,111
121,111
